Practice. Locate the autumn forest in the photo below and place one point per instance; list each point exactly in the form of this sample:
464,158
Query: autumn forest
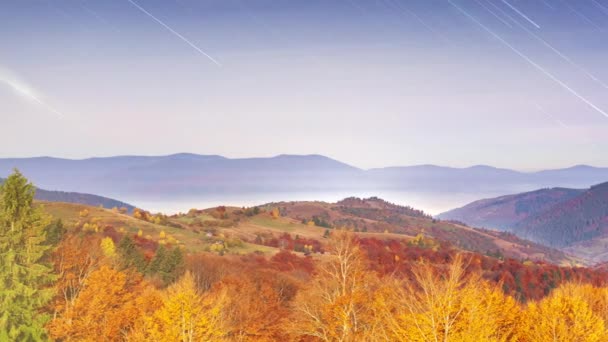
72,284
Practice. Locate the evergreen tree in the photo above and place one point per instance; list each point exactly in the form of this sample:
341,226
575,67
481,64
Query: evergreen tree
158,260
130,255
24,278
169,265
172,266
55,232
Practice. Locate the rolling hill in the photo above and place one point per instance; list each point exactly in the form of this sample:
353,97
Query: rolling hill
79,198
244,230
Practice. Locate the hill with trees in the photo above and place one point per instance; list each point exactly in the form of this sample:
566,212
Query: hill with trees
573,220
504,212
582,218
80,198
300,227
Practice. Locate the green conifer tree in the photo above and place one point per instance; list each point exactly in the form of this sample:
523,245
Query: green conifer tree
158,260
130,255
172,266
24,278
55,232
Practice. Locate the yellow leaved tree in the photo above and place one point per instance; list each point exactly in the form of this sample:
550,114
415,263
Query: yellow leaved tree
565,315
108,248
448,305
185,315
338,304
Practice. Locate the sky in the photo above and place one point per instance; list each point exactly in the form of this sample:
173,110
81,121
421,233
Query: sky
521,84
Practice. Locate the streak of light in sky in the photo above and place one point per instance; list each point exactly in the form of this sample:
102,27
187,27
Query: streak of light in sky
558,121
98,17
581,15
26,92
530,61
177,34
521,14
600,6
406,10
563,125
559,53
494,14
546,3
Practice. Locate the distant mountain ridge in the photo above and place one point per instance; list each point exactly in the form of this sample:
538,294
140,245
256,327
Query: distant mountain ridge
186,174
79,198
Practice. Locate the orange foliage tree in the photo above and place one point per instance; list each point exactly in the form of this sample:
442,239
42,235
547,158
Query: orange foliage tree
106,307
74,260
257,306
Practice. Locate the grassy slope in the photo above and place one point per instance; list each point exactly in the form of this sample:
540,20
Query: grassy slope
381,221
193,241
246,228
382,217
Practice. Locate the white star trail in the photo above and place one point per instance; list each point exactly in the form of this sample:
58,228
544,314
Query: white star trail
98,17
559,53
357,6
494,14
521,14
529,60
408,11
558,121
600,6
503,12
26,92
177,34
563,125
581,15
546,3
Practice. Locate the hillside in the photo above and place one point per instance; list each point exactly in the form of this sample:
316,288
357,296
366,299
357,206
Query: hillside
192,176
271,226
80,198
374,215
100,220
575,221
582,218
505,212
370,217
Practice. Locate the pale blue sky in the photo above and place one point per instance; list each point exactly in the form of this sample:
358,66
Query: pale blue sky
371,83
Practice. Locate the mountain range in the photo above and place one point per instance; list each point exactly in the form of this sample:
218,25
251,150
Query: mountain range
181,175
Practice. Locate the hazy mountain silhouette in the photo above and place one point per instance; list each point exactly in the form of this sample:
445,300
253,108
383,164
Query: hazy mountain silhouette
191,175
